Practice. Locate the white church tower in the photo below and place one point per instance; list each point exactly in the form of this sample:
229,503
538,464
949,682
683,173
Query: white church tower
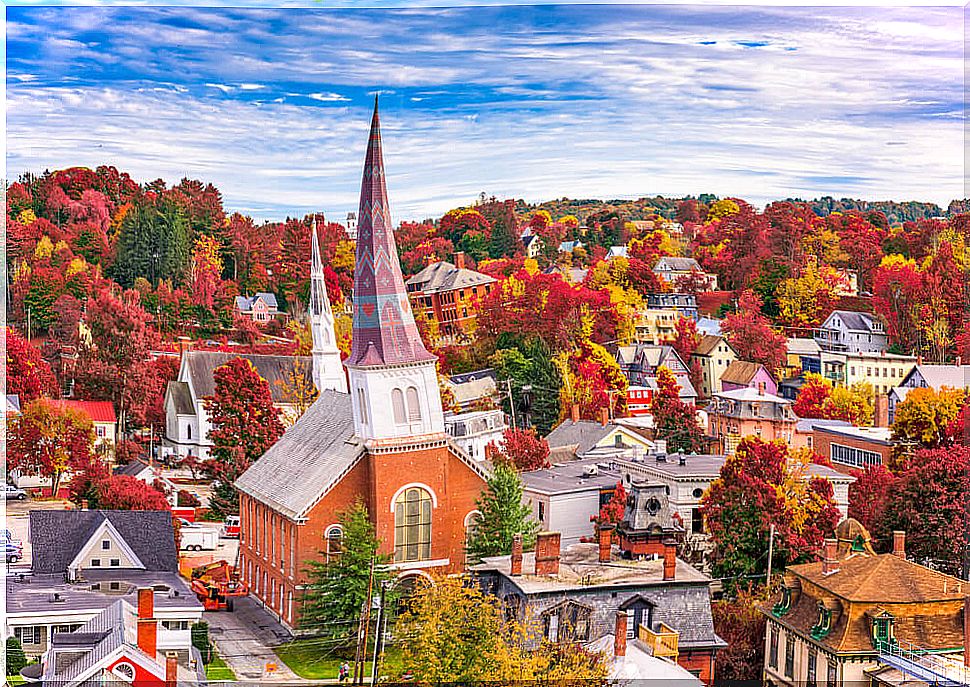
328,372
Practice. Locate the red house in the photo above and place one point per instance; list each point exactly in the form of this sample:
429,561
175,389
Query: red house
383,443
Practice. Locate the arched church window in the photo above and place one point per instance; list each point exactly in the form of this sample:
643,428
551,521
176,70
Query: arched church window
412,525
414,406
334,537
397,403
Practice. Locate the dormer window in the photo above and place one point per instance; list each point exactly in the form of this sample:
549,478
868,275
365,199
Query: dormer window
823,625
784,604
883,630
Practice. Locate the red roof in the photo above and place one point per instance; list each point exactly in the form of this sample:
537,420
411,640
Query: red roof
98,411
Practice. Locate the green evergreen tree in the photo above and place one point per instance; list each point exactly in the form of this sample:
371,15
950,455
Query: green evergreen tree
503,516
529,363
336,589
16,659
200,640
153,243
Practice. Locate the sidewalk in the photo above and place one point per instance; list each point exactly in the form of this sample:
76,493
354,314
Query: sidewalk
244,639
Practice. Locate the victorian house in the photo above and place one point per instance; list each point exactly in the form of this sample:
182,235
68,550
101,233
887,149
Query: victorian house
379,438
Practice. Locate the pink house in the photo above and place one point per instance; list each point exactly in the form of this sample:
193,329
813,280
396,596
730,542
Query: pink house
740,375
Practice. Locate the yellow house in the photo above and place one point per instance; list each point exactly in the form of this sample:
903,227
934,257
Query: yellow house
714,354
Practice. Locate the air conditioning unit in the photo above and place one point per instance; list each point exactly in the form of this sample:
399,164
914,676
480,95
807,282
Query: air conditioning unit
590,471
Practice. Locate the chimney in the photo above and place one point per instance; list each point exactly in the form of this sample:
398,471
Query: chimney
670,560
761,388
516,554
881,414
605,537
171,669
966,631
547,553
460,260
830,562
619,635
959,361
919,360
184,345
899,543
84,504
574,412
147,624
604,416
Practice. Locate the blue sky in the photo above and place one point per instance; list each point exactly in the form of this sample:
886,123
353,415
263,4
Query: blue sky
533,102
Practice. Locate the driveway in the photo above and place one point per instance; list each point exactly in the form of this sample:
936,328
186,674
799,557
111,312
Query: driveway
245,638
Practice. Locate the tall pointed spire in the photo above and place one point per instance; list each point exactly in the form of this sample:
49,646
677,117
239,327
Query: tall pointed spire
328,372
384,328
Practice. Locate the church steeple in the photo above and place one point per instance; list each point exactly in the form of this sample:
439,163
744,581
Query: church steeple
328,372
393,380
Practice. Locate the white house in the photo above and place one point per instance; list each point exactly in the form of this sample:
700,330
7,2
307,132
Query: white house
474,431
847,331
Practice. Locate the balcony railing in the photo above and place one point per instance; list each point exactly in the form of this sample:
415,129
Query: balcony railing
931,668
662,642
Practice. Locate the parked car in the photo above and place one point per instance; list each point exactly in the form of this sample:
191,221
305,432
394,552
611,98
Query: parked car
15,551
199,539
230,528
15,493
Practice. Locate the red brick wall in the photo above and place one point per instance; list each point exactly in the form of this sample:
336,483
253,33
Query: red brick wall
375,479
822,445
702,661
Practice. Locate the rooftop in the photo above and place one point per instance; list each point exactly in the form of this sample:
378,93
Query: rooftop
573,476
879,435
98,411
444,276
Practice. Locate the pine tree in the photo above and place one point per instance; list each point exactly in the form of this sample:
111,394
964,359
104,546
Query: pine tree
336,589
503,516
153,243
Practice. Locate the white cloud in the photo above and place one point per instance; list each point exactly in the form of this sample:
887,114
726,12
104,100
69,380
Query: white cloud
329,97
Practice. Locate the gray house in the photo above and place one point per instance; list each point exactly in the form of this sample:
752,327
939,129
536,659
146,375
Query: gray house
847,331
929,376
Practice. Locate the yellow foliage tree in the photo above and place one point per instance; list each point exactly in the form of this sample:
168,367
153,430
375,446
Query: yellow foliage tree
27,217
44,248
344,257
925,415
722,208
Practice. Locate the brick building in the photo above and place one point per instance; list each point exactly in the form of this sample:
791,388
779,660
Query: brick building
447,294
383,443
853,447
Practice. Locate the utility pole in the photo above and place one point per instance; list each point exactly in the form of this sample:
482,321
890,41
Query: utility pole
379,634
508,383
771,549
361,653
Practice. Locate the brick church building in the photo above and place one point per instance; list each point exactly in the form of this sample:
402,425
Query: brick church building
376,434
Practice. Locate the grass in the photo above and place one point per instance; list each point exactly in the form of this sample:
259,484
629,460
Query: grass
218,669
315,659
14,680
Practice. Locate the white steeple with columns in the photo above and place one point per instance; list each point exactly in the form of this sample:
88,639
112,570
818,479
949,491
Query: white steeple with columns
328,372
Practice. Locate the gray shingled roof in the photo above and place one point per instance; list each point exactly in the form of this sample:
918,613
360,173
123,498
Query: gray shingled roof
181,396
308,460
56,536
275,369
105,633
677,264
132,469
856,321
584,435
939,376
444,276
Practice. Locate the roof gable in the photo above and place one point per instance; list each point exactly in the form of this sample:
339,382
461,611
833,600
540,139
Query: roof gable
277,370
93,548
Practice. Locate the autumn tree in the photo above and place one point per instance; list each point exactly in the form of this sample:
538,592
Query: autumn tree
530,364
925,416
123,492
817,398
523,449
928,501
869,494
760,485
611,512
674,420
503,515
338,582
685,344
245,423
751,335
48,439
897,297
154,242
593,381
740,622
28,375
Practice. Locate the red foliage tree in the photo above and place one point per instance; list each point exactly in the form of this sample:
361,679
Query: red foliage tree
124,492
48,439
674,420
611,512
869,494
685,344
897,297
524,449
751,335
28,375
811,398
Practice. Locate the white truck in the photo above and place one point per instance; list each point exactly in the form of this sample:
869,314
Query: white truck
198,539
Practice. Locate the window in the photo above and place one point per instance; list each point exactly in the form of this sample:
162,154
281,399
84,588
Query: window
414,407
27,635
335,535
472,521
789,656
125,671
831,674
101,432
397,404
95,562
847,455
105,544
810,680
362,406
114,586
542,508
175,624
188,431
696,521
773,647
412,526
566,623
115,562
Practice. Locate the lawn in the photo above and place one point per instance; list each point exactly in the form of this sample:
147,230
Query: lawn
315,659
219,670
14,680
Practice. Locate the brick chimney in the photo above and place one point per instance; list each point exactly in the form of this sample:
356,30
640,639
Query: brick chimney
574,412
899,543
516,554
670,560
604,534
184,345
547,553
881,414
171,669
147,624
460,260
919,360
761,388
830,561
604,416
619,635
